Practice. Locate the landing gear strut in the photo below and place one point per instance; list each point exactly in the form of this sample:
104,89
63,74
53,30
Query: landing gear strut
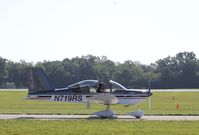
106,113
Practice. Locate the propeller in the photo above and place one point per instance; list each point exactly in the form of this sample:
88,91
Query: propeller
149,88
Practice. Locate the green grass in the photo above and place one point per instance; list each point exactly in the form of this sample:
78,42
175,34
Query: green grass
14,102
98,127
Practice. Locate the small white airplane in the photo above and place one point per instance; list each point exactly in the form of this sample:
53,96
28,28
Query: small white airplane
87,91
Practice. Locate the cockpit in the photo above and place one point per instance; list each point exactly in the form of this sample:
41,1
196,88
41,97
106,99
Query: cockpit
115,87
86,86
95,86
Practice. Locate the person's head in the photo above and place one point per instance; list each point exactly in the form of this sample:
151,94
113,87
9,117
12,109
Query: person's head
102,85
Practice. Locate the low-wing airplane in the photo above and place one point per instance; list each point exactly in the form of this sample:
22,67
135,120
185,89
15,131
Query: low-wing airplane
87,91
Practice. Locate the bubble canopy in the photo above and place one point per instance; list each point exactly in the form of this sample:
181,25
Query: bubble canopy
89,83
111,86
116,86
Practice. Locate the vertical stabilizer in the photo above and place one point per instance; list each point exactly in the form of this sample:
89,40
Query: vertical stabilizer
38,81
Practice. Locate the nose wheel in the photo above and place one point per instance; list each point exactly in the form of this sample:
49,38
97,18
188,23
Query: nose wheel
137,114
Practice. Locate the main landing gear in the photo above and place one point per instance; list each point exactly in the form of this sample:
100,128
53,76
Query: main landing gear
109,114
106,113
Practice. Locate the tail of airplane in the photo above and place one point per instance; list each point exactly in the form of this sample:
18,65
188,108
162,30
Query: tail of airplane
38,81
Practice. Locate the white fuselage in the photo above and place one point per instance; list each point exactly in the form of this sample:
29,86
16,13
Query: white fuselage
99,98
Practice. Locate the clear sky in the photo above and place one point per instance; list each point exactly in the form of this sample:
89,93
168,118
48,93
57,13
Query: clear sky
137,30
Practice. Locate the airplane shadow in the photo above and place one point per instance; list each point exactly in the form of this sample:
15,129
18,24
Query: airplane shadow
91,117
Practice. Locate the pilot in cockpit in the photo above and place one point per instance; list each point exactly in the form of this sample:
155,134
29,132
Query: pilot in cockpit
101,88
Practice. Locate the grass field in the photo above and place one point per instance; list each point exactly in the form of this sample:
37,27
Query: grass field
97,127
14,102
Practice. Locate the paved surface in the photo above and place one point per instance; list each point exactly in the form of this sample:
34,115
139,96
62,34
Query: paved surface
175,90
152,90
118,117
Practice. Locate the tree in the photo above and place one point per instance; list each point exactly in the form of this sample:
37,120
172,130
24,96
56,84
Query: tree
178,71
17,72
3,73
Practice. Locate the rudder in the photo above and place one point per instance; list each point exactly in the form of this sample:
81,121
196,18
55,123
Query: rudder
38,81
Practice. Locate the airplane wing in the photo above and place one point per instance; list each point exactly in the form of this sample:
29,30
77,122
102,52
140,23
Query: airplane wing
105,99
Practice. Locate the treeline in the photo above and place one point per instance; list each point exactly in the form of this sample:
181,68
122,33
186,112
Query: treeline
180,71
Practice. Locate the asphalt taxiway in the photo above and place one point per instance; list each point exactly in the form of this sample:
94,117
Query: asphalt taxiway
80,117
